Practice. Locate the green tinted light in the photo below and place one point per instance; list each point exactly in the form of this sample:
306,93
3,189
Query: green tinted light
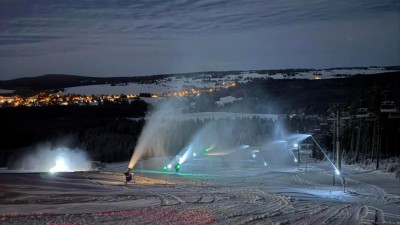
177,167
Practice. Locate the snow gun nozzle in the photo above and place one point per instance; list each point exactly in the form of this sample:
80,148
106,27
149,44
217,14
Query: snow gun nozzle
128,175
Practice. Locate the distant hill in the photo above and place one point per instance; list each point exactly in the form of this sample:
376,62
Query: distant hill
55,81
58,81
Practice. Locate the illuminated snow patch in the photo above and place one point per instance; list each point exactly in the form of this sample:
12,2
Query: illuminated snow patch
327,193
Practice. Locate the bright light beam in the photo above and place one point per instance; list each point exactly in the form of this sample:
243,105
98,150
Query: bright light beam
336,170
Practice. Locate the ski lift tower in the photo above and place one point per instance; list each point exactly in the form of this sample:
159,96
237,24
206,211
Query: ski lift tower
337,108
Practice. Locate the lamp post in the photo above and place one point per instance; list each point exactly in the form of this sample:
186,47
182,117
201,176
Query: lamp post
298,155
306,158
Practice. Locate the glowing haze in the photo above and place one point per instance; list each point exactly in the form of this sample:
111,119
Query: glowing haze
219,140
152,140
53,158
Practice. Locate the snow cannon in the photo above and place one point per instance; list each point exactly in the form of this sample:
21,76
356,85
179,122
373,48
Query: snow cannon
128,175
177,167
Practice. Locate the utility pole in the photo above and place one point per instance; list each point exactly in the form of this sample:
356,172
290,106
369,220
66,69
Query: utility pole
333,151
306,158
373,142
358,140
298,156
336,108
379,146
338,152
334,142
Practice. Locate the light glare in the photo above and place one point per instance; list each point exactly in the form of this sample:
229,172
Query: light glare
59,167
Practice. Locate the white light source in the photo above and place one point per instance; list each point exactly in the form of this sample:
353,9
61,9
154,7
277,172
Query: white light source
194,154
169,166
265,163
295,160
296,145
59,167
254,155
337,172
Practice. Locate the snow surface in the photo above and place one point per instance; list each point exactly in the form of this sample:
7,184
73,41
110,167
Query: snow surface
226,100
205,191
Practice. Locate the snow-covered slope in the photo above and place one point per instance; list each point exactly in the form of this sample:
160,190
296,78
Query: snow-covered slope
211,81
206,191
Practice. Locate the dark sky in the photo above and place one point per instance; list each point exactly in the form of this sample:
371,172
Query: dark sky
120,38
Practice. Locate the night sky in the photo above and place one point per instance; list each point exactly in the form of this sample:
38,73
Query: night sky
121,38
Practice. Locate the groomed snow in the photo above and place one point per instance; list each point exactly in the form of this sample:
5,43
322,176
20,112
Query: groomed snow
206,191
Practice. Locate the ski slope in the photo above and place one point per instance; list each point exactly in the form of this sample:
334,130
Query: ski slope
205,191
